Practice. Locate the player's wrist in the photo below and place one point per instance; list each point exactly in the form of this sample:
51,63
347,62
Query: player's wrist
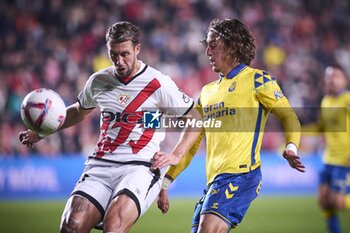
292,147
166,182
41,136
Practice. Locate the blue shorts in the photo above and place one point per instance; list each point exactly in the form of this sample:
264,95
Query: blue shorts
337,177
228,197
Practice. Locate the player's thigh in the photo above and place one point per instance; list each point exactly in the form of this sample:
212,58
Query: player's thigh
339,200
133,195
140,184
91,193
210,223
121,214
79,215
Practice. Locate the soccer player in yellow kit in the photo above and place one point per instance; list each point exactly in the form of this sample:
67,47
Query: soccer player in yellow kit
334,190
241,99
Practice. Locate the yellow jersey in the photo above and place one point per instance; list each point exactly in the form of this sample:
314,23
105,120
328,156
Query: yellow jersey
335,123
242,102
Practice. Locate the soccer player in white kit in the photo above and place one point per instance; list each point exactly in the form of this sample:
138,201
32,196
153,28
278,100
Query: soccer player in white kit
117,185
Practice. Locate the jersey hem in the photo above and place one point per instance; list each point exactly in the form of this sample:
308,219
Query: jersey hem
245,170
132,162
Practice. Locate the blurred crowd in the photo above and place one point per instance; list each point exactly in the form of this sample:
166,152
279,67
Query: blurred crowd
58,44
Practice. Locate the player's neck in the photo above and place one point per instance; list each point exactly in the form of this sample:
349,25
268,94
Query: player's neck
137,68
228,68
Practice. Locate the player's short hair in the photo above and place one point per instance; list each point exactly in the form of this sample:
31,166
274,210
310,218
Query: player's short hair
337,66
237,38
123,31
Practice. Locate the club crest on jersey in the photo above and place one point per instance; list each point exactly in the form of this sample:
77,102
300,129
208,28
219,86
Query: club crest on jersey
232,87
123,99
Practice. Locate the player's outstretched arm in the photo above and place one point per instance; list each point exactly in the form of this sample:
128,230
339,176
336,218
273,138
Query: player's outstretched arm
75,114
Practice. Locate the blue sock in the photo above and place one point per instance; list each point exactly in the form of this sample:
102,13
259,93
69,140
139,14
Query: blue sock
333,224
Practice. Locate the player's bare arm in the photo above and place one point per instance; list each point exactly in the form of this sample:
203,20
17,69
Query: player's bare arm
75,114
186,141
163,201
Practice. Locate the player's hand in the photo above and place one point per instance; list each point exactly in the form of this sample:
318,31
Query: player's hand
293,160
29,137
163,201
161,159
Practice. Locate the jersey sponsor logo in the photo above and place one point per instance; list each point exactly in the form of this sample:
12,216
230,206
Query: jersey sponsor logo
152,119
124,117
123,99
217,110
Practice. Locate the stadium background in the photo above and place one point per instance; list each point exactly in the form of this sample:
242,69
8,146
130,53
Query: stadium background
58,43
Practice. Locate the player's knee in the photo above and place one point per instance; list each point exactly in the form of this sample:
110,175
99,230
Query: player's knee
71,225
339,204
324,202
115,226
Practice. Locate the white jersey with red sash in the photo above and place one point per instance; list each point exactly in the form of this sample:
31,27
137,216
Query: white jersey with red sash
122,104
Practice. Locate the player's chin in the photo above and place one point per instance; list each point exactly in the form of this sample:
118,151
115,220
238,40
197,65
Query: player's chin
215,69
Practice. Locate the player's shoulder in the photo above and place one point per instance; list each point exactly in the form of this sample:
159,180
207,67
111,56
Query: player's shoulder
347,94
262,78
157,74
100,79
346,97
260,73
101,74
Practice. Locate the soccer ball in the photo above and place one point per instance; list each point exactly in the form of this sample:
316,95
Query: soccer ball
43,111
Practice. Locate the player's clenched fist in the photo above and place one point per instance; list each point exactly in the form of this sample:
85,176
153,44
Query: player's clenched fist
29,137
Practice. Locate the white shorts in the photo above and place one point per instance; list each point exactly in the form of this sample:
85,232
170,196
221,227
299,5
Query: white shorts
101,183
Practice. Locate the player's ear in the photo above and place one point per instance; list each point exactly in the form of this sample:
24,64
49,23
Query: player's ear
137,49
